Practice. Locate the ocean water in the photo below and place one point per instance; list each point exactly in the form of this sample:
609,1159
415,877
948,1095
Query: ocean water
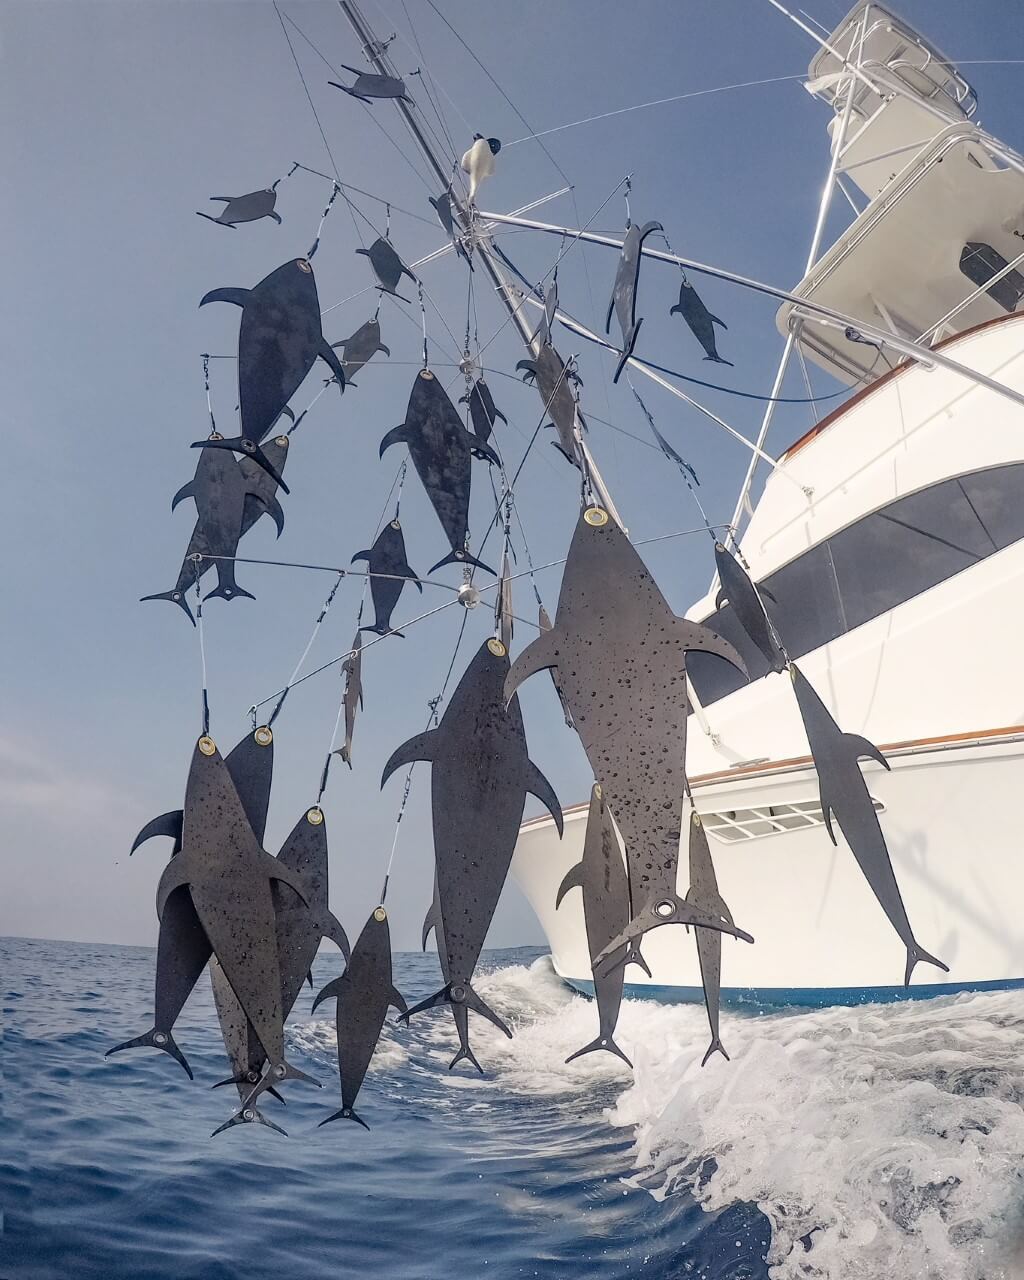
853,1144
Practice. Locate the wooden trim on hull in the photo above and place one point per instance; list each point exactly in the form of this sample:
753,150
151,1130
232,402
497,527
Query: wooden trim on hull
767,767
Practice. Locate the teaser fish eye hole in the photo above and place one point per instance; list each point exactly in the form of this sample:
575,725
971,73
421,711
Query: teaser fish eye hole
746,549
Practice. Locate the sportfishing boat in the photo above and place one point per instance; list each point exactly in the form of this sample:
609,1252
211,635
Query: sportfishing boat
888,544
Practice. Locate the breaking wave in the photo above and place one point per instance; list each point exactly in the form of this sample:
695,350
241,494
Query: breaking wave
881,1141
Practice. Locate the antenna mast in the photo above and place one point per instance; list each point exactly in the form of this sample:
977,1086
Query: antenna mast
376,52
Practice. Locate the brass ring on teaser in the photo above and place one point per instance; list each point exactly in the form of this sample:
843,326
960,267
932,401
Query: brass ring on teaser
303,265
425,373
314,816
496,647
282,441
695,818
595,516
380,915
215,435
395,524
207,745
264,735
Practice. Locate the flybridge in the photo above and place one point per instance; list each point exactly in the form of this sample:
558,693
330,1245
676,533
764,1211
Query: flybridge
937,247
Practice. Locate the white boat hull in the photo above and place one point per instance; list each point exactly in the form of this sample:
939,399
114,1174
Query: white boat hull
820,935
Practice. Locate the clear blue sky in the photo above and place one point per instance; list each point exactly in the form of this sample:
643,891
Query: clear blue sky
120,119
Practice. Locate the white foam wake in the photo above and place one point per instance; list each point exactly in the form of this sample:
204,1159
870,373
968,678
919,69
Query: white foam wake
883,1143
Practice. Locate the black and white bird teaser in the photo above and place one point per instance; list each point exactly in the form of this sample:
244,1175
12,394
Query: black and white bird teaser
553,378
279,340
364,993
230,496
601,876
389,571
369,86
478,161
360,347
440,448
483,413
620,655
387,266
352,670
700,320
844,794
481,774
623,299
247,208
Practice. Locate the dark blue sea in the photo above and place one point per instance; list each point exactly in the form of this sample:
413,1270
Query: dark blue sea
851,1144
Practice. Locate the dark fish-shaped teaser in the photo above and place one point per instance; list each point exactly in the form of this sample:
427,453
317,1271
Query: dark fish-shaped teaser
442,206
481,775
183,948
620,652
440,447
701,321
279,340
483,413
389,570
547,320
387,266
552,377
216,491
247,208
300,923
844,794
359,348
704,894
623,299
363,992
369,85
352,669
504,616
229,877
601,875
745,598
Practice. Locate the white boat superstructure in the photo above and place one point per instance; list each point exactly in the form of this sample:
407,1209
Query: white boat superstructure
891,540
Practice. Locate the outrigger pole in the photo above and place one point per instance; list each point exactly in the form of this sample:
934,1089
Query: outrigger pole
376,53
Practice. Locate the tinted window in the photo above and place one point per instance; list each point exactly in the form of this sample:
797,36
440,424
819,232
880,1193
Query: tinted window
874,565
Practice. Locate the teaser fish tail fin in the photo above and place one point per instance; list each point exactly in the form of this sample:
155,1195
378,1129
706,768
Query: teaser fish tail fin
175,597
462,557
155,1039
345,1113
227,591
455,993
248,448
917,953
715,1046
248,1115
602,1042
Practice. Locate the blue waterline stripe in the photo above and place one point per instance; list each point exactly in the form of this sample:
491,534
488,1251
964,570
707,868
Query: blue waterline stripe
800,997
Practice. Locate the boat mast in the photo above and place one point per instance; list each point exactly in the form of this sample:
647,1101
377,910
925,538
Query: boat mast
376,53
